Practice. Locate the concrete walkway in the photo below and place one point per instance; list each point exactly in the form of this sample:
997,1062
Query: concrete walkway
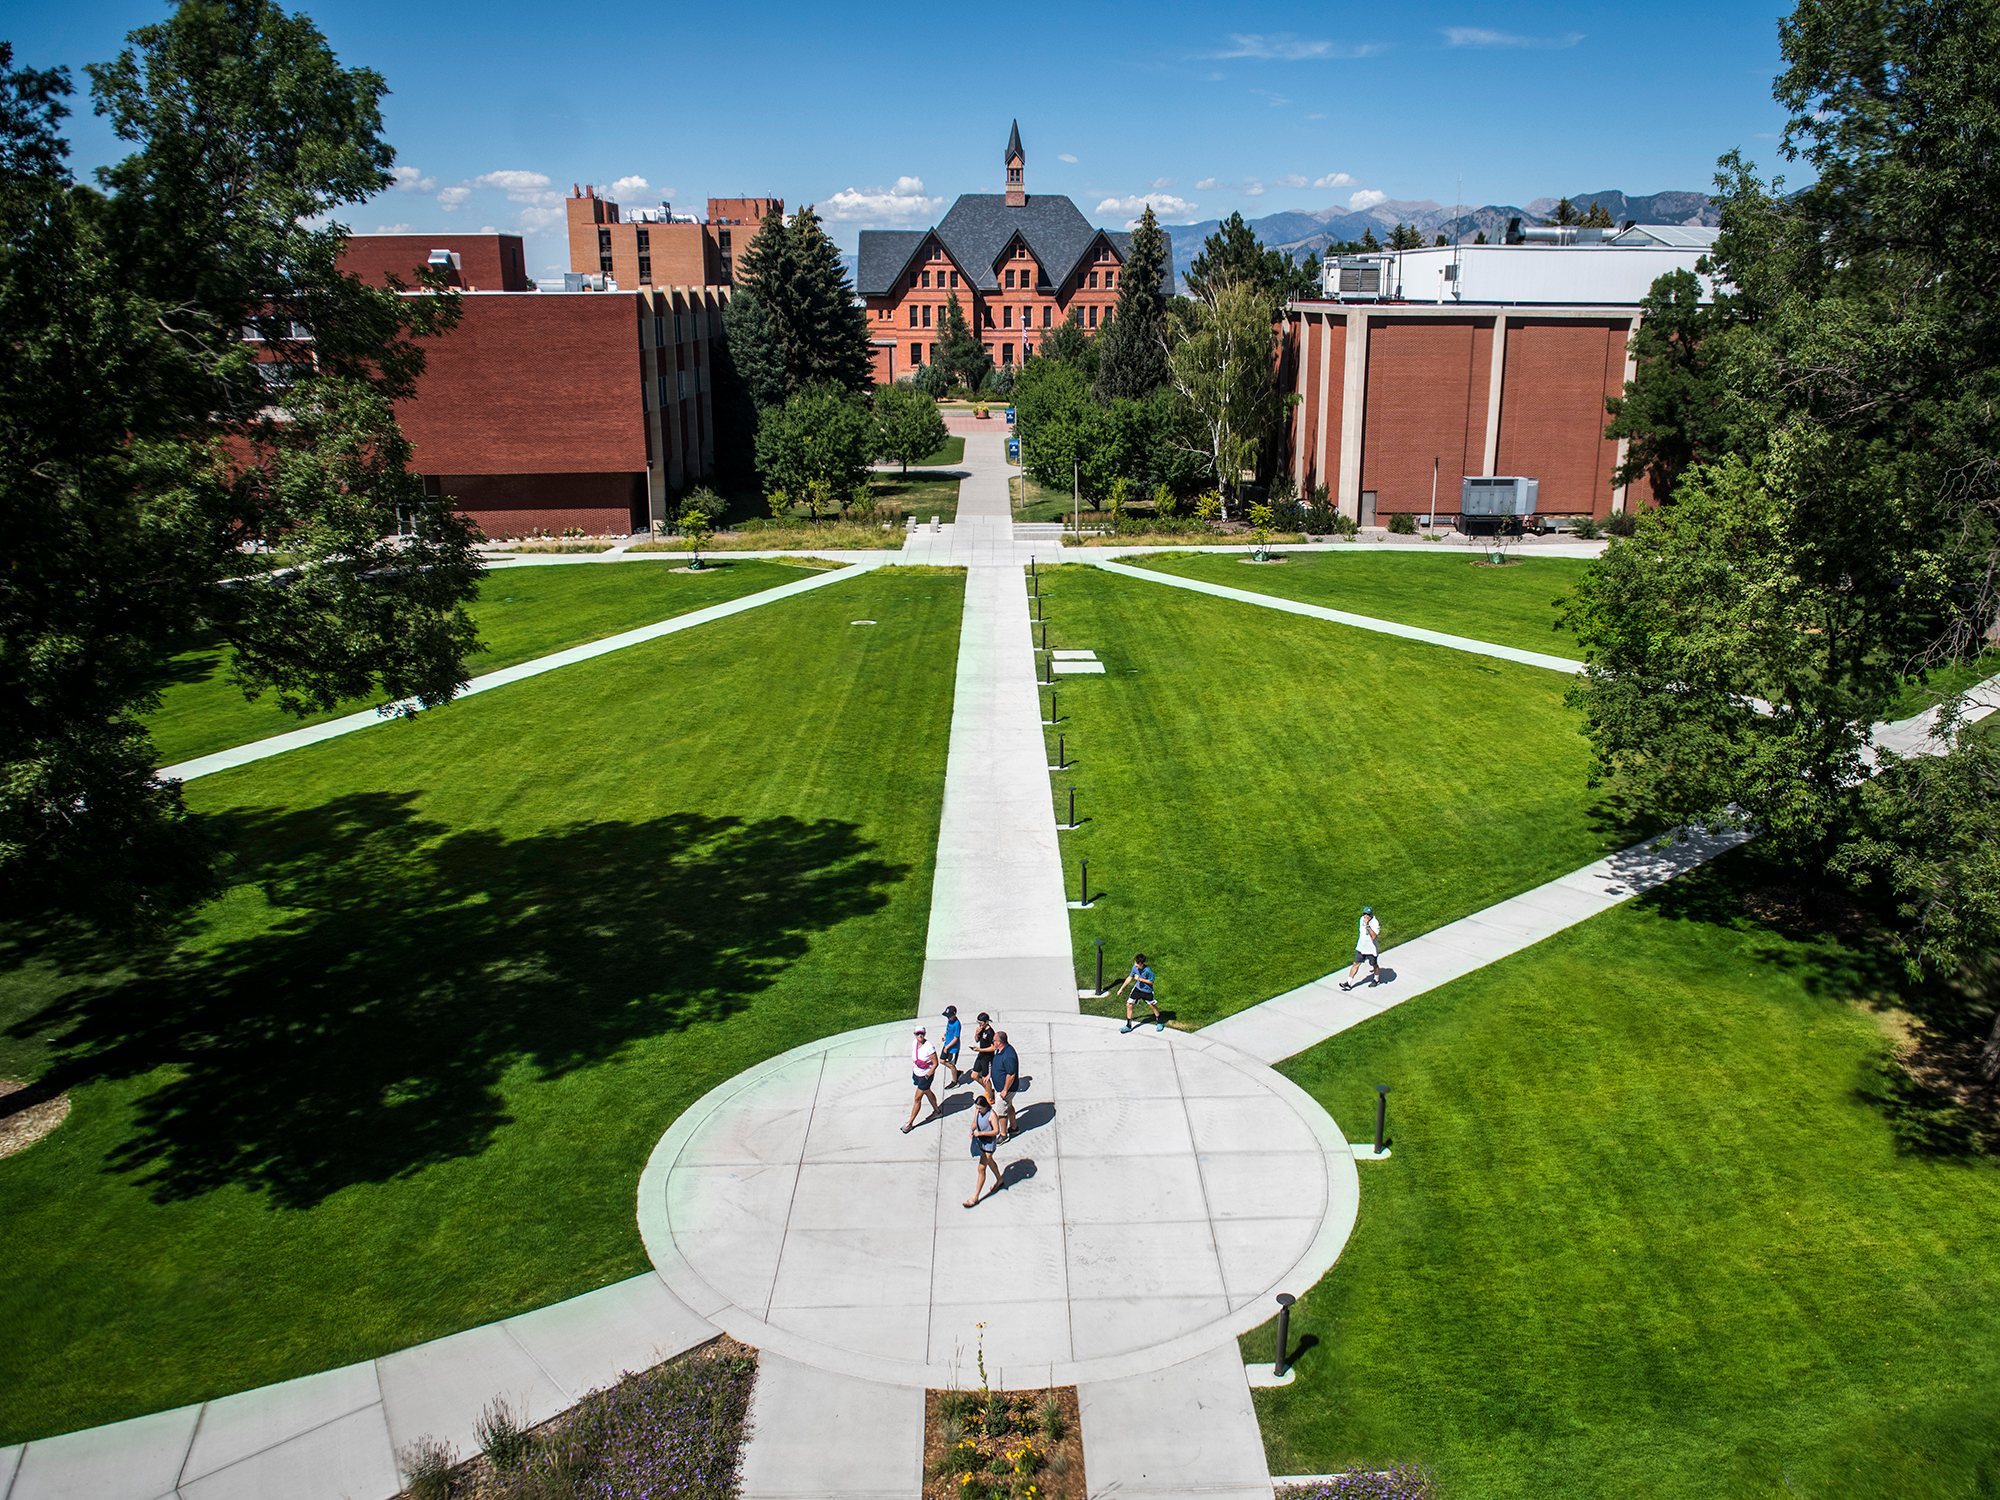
332,729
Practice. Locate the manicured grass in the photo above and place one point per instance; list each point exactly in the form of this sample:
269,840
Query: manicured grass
1250,780
1645,1232
949,455
523,611
1508,606
402,1079
922,494
1918,696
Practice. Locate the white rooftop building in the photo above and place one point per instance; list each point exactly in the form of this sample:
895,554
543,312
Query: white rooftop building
1614,272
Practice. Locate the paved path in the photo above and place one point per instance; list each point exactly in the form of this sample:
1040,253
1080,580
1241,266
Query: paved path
1342,617
278,744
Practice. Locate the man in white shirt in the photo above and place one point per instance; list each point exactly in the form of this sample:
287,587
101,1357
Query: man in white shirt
1367,950
923,1063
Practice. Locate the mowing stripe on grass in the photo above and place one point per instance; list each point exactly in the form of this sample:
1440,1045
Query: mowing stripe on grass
298,739
1342,617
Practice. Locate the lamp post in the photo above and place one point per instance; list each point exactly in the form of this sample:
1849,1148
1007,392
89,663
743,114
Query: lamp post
1086,884
1072,807
1285,1301
1100,966
1381,1114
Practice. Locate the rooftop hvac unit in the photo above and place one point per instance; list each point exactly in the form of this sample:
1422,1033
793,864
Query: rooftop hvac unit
1491,495
444,260
1360,278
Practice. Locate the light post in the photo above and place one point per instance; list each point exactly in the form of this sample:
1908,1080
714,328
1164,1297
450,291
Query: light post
1381,1114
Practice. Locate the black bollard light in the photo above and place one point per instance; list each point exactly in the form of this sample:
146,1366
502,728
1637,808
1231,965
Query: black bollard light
1285,1301
1100,966
1086,883
1381,1114
1045,635
1052,707
1072,807
1062,755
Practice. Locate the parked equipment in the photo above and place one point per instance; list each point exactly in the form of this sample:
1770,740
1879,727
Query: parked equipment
1489,502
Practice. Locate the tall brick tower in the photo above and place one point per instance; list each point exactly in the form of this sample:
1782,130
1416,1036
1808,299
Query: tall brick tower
1017,159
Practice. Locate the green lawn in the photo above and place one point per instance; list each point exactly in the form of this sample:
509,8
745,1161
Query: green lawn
1646,1232
523,611
1508,606
1918,696
402,1078
923,494
1251,779
949,455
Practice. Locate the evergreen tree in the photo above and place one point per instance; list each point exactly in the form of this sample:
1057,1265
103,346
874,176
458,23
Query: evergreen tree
1675,410
1566,212
1132,356
1368,240
1234,255
1480,238
751,341
794,271
963,356
1599,217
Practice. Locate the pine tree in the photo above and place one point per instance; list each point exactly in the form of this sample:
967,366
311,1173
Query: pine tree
1368,240
963,355
1566,212
1480,238
1132,357
1234,254
794,271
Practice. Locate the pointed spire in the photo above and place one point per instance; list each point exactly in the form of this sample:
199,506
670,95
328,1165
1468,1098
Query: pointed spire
1014,151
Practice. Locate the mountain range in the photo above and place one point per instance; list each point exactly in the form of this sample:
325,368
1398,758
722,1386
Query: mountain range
1298,232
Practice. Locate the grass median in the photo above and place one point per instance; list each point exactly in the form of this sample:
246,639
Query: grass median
402,1078
1646,1230
522,612
1248,780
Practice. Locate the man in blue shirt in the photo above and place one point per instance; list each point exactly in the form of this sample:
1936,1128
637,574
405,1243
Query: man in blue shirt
1140,983
1006,1076
948,1053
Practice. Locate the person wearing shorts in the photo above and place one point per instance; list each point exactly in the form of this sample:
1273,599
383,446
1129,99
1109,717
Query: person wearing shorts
1367,949
985,1134
982,1054
949,1052
1006,1078
923,1067
1140,983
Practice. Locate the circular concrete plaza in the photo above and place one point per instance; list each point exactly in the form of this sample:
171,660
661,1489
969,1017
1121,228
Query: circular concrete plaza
1161,1189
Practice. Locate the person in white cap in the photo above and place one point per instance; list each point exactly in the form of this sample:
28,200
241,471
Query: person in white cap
1367,950
923,1064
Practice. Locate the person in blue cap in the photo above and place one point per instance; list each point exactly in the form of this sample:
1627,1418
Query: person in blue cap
1367,949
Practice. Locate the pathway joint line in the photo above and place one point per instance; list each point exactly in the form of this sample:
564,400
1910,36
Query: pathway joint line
1343,617
313,734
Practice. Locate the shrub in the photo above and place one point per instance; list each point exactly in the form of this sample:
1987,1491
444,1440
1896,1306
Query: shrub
501,1437
1402,523
932,380
1587,529
702,498
1049,1418
427,1464
1622,524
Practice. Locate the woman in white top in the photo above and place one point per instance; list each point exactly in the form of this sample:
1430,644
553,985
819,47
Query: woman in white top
923,1063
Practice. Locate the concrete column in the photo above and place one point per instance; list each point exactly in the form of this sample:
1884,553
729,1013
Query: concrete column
1325,398
1353,407
1305,325
1625,444
1493,381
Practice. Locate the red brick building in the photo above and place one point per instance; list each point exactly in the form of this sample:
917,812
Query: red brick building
552,410
650,247
1018,263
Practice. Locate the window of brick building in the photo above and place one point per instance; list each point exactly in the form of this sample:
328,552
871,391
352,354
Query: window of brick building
927,315
659,331
603,242
1010,281
677,328
927,277
1006,317
645,239
1093,281
604,265
645,270
1045,315
660,381
913,315
681,382
1006,354
916,354
1111,278
1093,315
954,280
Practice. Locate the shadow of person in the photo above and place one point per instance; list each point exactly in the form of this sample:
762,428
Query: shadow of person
1017,1171
363,1032
1384,975
1033,1117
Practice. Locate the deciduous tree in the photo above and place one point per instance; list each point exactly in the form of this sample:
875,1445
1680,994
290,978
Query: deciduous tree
907,425
1676,409
1225,372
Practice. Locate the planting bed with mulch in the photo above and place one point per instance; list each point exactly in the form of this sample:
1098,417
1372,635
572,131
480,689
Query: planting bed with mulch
986,1445
676,1429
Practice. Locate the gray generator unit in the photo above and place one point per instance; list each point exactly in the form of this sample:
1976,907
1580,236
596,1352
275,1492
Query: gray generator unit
1497,495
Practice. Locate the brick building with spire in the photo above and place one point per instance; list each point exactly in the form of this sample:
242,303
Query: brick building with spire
1018,262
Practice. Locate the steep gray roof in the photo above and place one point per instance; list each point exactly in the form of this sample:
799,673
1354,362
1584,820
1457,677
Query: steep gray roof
979,227
884,254
1014,145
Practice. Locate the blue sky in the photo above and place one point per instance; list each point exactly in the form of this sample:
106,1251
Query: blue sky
882,114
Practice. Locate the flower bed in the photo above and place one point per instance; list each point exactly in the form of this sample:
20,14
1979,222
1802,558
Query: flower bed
676,1429
1404,1482
986,1445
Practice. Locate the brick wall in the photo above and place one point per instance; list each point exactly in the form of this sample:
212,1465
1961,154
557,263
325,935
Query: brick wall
513,505
1552,410
1426,409
487,262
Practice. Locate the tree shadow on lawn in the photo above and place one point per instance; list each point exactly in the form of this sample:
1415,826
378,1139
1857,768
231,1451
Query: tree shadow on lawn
362,1035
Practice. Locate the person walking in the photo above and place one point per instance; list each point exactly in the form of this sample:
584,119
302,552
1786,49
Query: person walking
985,1133
982,1054
949,1052
1006,1077
923,1066
1140,983
1367,949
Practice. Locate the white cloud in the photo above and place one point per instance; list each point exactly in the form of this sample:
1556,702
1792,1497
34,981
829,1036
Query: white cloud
1334,179
906,200
410,180
627,187
1315,117
1366,198
488,229
1480,36
1253,189
1161,184
452,197
542,216
1282,46
392,229
513,182
1065,156
1165,205
1207,185
1292,181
